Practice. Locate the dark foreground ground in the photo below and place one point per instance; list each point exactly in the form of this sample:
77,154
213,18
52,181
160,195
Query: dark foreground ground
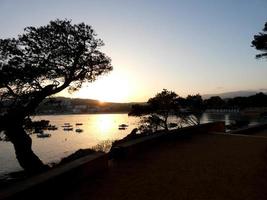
211,166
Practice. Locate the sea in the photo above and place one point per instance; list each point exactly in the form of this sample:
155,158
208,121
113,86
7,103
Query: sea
97,130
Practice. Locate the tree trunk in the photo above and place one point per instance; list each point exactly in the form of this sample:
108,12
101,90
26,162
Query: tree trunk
23,148
12,124
166,123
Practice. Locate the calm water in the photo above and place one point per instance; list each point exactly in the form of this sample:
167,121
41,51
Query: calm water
96,129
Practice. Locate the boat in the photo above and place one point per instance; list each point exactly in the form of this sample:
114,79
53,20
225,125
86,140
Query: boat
43,135
66,125
78,130
123,125
52,128
67,129
79,124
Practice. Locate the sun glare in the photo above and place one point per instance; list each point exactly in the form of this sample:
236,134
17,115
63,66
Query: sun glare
111,88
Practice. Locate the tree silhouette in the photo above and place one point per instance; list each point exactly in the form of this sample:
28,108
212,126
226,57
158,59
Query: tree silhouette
156,112
214,102
39,63
195,107
260,43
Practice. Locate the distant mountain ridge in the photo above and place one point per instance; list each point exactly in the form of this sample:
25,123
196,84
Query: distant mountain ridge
241,93
65,105
90,101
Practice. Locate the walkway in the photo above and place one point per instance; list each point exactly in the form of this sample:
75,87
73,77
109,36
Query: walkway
203,167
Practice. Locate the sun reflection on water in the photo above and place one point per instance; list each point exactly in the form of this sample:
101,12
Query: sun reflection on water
104,123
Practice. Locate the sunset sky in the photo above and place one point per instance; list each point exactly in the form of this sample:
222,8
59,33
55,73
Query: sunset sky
188,46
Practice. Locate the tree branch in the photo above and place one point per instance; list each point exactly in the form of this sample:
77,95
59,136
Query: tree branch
10,89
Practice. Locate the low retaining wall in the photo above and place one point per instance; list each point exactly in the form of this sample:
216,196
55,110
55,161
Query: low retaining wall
57,178
128,148
249,130
202,128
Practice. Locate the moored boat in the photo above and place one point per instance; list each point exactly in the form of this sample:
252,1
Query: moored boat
43,135
68,129
78,130
123,126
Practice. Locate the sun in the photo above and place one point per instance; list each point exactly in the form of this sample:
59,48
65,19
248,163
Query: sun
110,88
118,87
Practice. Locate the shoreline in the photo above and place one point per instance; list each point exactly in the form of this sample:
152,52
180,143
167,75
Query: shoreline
81,113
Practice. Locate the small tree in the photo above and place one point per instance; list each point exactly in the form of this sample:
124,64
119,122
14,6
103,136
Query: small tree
39,63
260,43
195,108
162,106
156,112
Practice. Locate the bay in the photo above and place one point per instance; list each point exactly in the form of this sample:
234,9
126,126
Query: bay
97,128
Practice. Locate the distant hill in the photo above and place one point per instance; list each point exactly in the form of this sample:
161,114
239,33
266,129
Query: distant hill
63,105
242,93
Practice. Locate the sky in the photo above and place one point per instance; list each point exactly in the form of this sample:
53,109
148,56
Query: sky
187,46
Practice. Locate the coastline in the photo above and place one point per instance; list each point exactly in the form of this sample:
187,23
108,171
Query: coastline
48,114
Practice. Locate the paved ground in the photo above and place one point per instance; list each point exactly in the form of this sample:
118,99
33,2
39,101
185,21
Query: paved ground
203,167
261,133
